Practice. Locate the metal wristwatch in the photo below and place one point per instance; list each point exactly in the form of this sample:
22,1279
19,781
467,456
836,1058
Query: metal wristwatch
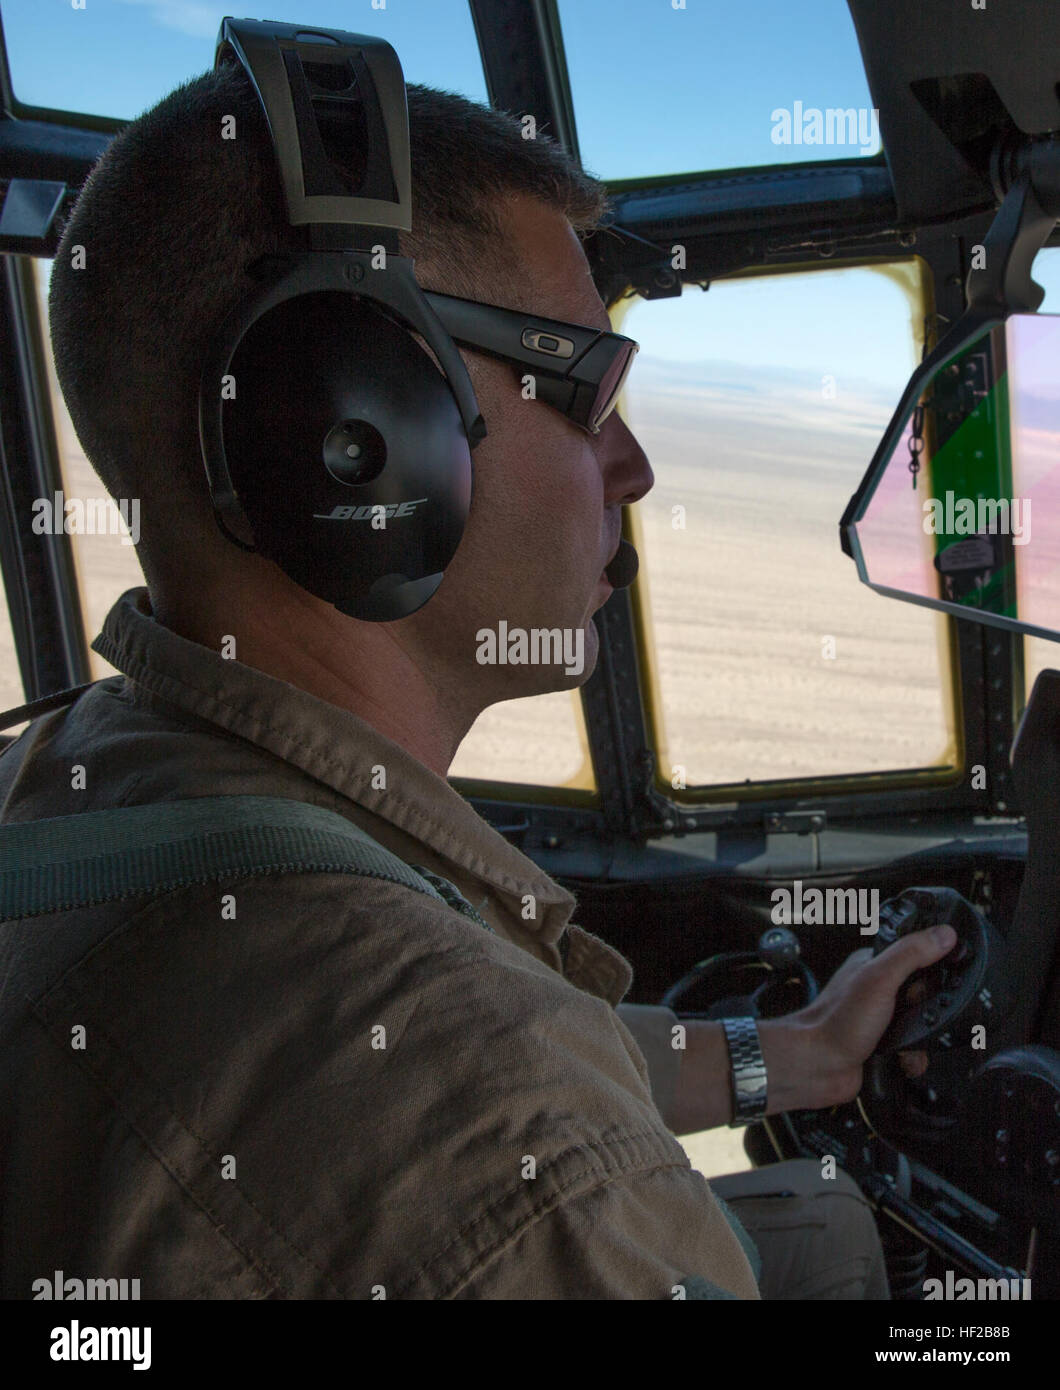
748,1071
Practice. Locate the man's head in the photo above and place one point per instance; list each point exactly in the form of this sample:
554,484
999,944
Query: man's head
169,220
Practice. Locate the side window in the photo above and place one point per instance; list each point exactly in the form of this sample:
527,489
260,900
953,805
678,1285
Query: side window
1038,652
760,404
11,692
104,556
539,741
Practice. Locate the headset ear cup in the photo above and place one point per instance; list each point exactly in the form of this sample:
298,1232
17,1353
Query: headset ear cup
348,453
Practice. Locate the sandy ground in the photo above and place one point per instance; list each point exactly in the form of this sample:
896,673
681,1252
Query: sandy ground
747,604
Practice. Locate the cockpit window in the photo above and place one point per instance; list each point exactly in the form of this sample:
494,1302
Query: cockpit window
539,742
127,54
1039,654
759,403
664,90
105,559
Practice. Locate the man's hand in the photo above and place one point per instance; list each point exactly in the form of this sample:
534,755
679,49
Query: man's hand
814,1058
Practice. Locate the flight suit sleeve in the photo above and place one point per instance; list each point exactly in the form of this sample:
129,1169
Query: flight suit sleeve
639,1238
651,1026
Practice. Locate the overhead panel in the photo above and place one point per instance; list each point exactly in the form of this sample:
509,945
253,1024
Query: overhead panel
949,80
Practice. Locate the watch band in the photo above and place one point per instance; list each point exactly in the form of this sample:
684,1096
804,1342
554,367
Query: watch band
749,1096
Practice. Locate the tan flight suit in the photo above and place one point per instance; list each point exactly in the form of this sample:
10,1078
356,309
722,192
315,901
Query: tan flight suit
232,1127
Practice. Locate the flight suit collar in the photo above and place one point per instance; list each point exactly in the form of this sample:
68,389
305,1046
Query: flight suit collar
343,752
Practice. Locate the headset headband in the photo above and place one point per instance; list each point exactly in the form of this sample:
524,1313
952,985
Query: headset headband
291,67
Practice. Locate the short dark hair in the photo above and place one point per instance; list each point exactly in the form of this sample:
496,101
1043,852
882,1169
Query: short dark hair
172,214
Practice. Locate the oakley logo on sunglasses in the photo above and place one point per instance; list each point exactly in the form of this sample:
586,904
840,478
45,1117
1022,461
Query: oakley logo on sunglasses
539,341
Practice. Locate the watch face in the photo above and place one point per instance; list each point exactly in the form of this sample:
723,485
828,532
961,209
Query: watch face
749,1082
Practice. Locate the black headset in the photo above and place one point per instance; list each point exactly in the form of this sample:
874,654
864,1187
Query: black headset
333,445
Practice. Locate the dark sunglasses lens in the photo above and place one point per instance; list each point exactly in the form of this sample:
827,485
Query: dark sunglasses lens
611,384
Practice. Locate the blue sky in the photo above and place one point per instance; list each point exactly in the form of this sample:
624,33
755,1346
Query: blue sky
118,57
699,94
664,91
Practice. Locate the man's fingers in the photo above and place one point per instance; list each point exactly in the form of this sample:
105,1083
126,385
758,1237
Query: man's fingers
913,952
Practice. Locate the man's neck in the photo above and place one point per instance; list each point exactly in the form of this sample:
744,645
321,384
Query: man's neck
359,667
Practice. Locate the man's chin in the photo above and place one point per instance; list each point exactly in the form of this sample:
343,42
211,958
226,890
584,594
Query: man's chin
526,670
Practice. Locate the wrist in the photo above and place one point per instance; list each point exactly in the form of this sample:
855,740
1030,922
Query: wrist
801,1070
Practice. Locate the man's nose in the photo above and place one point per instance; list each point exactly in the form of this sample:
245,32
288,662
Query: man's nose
627,473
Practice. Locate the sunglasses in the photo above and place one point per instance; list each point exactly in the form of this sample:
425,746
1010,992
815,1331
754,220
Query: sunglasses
577,370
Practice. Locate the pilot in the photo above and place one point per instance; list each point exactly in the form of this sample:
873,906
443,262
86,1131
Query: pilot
307,1085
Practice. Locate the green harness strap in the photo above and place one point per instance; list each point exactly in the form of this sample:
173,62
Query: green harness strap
96,857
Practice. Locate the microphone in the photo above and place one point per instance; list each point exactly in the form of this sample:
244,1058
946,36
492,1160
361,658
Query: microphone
622,570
